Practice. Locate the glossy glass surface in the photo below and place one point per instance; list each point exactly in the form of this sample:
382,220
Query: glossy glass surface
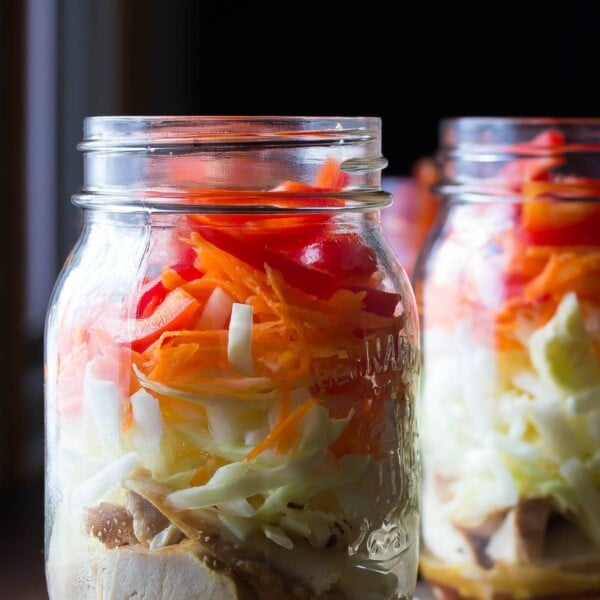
509,292
232,361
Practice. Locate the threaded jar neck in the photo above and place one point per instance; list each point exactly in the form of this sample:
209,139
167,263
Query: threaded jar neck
490,158
232,163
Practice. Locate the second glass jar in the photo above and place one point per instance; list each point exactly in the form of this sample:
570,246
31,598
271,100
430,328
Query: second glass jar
509,289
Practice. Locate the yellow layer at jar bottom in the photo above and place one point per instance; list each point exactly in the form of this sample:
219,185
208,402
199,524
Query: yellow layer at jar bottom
518,582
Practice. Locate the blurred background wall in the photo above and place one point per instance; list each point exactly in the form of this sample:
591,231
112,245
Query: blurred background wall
411,63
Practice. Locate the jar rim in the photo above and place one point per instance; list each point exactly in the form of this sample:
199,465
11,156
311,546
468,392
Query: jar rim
138,132
493,158
235,203
514,135
521,120
157,162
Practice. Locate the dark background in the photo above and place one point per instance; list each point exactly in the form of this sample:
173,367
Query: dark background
412,64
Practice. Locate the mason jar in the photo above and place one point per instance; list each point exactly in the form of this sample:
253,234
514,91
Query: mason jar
232,364
509,415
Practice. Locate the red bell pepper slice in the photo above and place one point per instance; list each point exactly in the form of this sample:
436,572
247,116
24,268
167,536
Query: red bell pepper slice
546,139
154,292
308,279
379,302
173,313
522,170
344,255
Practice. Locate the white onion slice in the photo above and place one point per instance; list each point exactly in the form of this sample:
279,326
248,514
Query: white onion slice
239,344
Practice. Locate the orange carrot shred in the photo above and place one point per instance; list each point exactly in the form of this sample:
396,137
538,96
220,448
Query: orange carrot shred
171,279
207,470
283,434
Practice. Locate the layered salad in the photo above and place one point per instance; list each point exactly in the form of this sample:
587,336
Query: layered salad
236,420
510,413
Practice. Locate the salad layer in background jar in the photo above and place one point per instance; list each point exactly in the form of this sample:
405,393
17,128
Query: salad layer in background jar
232,361
510,408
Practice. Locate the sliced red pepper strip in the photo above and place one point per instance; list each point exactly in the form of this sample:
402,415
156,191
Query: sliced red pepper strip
520,171
546,139
153,294
313,281
154,291
379,302
331,177
173,313
344,255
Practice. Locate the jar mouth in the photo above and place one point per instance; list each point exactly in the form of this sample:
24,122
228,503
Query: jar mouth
493,158
250,163
516,135
203,132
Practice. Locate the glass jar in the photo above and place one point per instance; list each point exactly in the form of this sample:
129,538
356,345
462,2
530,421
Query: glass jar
509,415
232,362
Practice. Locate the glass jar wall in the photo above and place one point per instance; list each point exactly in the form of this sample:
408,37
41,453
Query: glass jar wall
509,291
232,359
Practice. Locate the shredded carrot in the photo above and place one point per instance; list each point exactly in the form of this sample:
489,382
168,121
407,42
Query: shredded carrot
214,262
178,361
171,279
207,470
175,409
344,306
284,434
202,288
567,271
237,278
300,312
285,403
202,337
528,274
548,273
286,294
261,308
